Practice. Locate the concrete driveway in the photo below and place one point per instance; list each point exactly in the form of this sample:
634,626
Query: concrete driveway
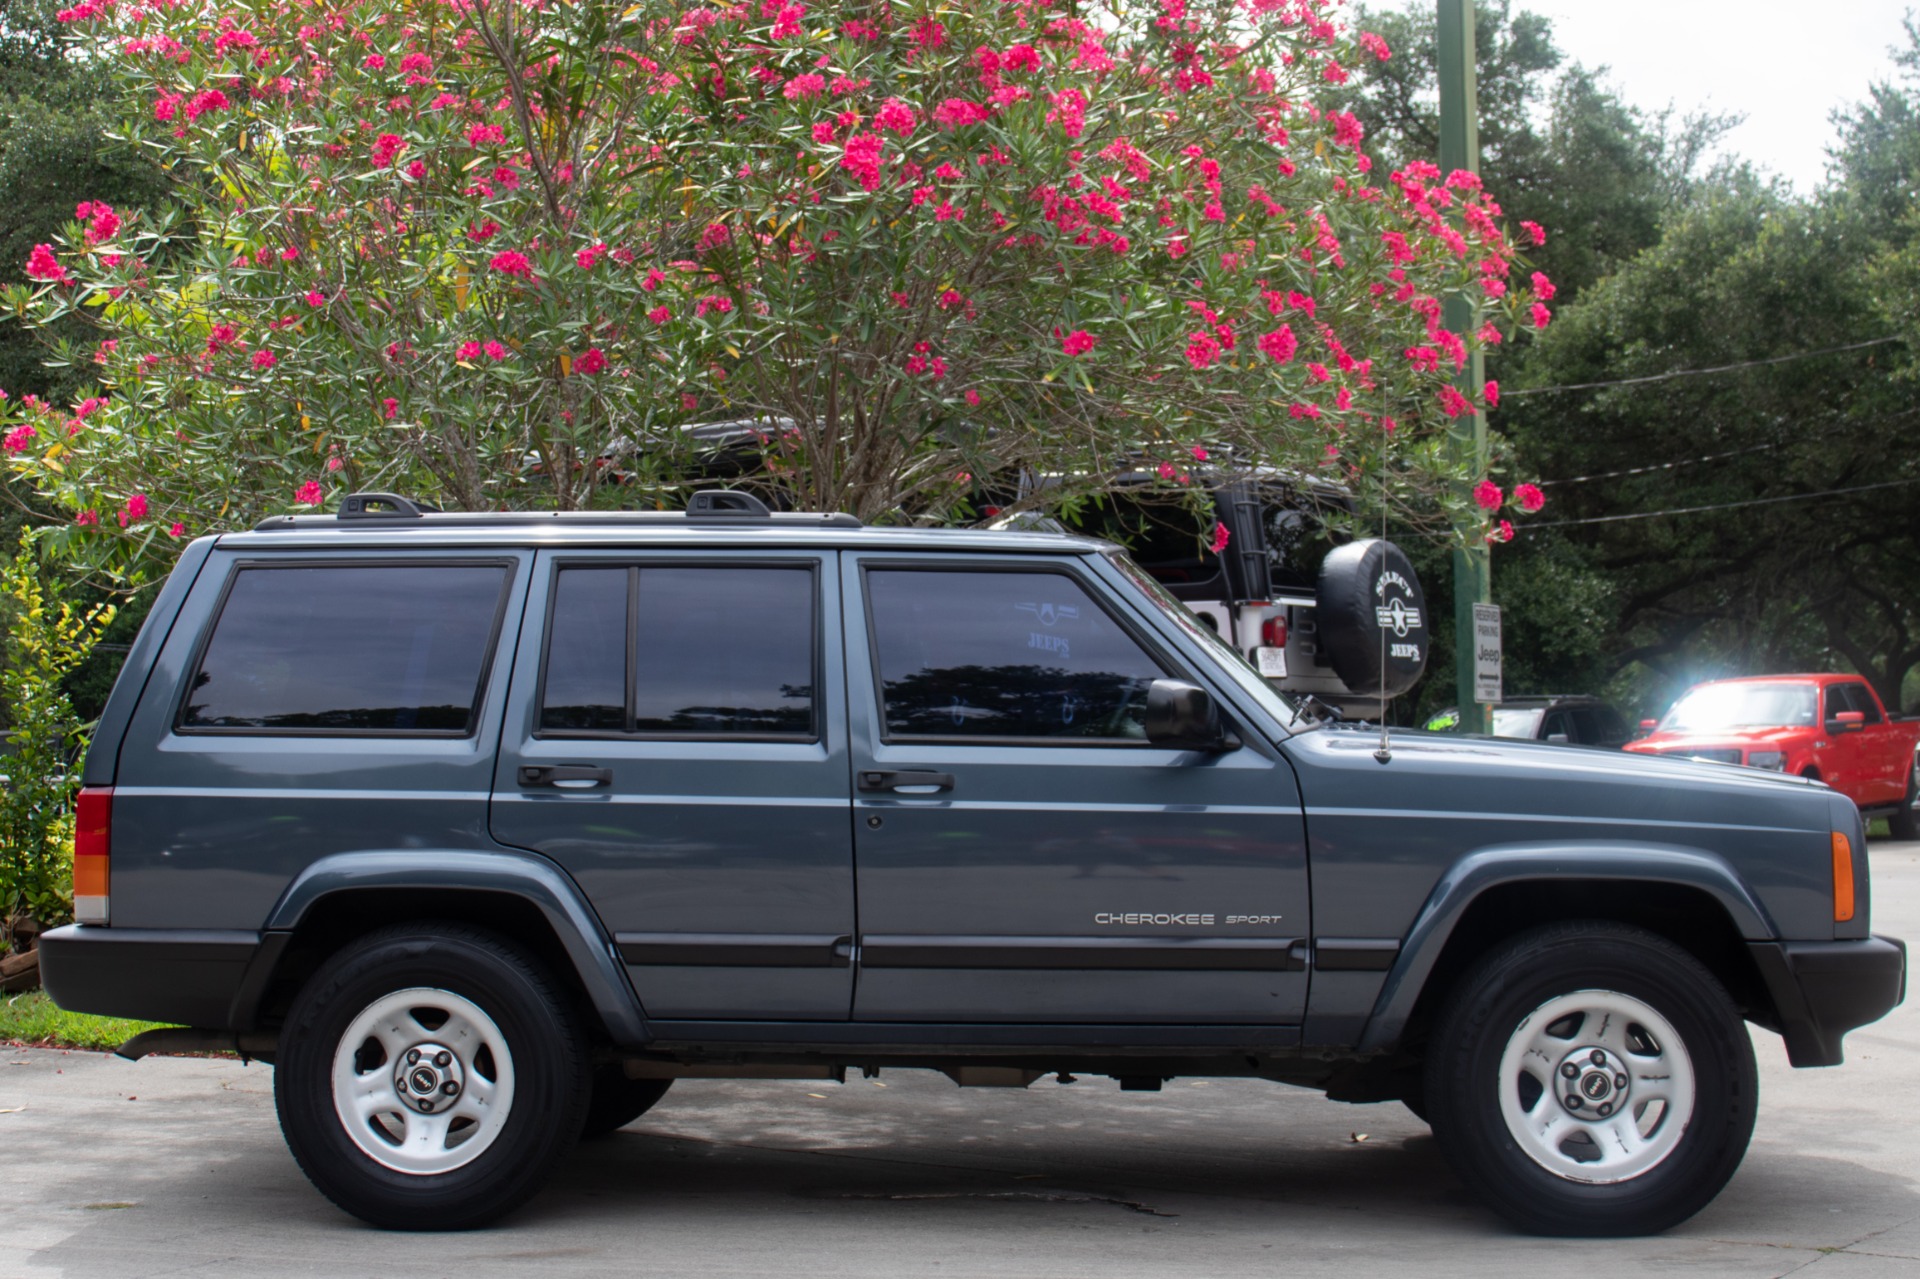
173,1166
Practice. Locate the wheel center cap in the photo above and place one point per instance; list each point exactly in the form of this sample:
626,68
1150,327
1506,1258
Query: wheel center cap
1594,1083
429,1077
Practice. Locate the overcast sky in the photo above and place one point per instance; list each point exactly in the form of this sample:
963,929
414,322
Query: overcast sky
1784,63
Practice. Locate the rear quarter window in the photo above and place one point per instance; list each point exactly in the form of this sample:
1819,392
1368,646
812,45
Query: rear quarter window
382,649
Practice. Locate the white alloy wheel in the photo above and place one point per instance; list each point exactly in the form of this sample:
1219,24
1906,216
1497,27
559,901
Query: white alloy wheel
422,1081
1596,1087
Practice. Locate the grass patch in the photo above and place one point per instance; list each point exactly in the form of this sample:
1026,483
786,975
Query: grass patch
33,1019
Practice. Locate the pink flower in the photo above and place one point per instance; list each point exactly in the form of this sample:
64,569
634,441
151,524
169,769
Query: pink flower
591,362
495,351
1543,287
178,530
1202,349
1279,345
289,254
1536,232
417,170
1493,395
1487,495
18,438
1220,538
1541,315
512,263
389,408
42,265
105,223
1375,45
483,231
136,507
655,278
586,259
715,235
1529,496
468,352
1502,533
895,116
1078,342
805,86
1452,402
1070,109
309,494
688,402
334,463
87,518
973,398
482,134
316,298
1347,130
660,315
1199,454
375,62
386,147
206,100
264,359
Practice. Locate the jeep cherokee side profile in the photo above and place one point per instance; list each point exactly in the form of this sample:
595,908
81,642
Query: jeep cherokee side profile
483,829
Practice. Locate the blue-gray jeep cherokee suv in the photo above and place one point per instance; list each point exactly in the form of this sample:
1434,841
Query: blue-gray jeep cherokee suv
484,829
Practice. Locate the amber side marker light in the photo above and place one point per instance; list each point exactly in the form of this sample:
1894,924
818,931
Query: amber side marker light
1842,878
92,840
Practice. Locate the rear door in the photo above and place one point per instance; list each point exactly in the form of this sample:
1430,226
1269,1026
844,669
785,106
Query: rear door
673,740
1025,855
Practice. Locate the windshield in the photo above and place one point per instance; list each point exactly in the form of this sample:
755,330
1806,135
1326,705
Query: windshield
1280,706
1713,707
1517,722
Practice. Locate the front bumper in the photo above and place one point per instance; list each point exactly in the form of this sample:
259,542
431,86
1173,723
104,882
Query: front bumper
1821,990
185,977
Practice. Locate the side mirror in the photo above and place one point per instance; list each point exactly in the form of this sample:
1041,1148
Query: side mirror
1558,737
1847,722
1182,716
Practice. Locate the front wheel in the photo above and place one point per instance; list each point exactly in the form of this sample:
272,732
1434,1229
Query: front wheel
1592,1079
430,1077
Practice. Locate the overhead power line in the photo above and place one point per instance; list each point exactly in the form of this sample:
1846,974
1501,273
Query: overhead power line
1722,506
1661,466
1718,368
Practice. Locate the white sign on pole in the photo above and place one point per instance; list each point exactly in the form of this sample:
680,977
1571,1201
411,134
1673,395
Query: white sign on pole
1486,653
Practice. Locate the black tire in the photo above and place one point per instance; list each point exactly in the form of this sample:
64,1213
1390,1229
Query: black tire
1490,1014
1904,823
617,1100
541,1086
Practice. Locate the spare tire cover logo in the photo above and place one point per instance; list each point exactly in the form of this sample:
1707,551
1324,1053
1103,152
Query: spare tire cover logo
1400,614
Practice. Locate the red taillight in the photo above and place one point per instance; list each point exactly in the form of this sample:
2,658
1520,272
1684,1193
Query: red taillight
1273,632
92,842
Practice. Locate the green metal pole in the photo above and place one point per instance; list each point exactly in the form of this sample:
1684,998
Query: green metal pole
1460,149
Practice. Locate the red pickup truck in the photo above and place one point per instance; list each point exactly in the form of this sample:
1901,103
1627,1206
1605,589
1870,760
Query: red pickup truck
1829,727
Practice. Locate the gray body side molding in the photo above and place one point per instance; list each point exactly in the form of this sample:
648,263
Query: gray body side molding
1476,873
522,875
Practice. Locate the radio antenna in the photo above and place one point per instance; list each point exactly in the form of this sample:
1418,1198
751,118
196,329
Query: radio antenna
1383,753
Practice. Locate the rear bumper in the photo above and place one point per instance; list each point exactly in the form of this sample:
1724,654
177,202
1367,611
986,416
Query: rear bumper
1822,990
185,977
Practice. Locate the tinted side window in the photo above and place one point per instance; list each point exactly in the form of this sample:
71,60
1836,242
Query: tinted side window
1852,697
373,648
681,651
1021,655
724,650
586,687
1613,729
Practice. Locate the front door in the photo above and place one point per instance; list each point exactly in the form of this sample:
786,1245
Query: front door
1025,855
674,739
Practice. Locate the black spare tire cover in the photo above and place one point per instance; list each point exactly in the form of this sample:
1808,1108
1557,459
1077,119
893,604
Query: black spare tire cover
1372,617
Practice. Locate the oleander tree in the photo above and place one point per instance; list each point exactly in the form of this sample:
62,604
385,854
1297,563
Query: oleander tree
517,253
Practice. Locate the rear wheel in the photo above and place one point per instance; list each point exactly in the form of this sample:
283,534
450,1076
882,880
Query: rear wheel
1592,1079
429,1078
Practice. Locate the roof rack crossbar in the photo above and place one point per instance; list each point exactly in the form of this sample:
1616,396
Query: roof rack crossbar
709,503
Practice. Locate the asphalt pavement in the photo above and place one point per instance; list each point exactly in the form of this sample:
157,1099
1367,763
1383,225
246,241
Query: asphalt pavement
175,1166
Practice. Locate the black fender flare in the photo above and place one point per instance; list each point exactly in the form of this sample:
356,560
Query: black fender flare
531,878
1471,876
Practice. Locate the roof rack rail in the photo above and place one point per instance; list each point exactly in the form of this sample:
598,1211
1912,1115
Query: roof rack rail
708,506
382,506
